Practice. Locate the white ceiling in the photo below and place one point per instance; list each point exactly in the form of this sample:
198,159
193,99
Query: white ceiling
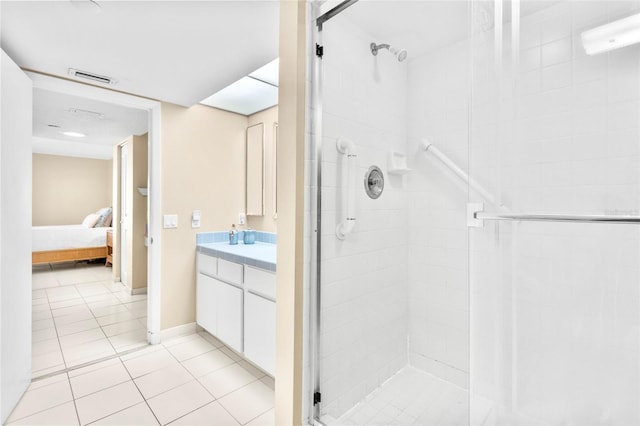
104,125
174,51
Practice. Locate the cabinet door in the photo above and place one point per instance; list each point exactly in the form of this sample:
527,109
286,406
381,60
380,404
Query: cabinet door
206,303
260,331
230,315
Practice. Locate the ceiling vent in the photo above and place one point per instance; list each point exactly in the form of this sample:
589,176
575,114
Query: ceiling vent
91,76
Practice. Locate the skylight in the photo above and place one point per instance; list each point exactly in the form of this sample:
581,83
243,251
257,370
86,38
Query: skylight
253,93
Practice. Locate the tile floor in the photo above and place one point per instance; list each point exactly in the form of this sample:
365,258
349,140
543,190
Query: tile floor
80,315
190,380
410,397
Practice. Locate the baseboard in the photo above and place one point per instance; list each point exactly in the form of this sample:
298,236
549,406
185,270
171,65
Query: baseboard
141,290
181,330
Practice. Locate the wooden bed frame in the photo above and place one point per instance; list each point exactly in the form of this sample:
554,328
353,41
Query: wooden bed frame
67,255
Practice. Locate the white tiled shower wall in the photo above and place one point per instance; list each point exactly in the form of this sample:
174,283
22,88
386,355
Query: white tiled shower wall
438,259
554,307
364,277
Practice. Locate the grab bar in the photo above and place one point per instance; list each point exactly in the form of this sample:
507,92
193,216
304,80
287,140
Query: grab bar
619,219
345,227
427,146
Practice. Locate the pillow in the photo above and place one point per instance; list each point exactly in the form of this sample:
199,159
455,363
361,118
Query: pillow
90,220
104,217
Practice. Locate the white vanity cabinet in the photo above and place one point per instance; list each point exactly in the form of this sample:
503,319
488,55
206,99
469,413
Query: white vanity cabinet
236,303
219,303
260,318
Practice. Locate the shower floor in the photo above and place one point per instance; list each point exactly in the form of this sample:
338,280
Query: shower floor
410,397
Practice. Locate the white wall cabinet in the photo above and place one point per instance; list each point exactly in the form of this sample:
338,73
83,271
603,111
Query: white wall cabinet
236,303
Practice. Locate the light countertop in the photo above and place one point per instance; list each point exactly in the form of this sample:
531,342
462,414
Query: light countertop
260,255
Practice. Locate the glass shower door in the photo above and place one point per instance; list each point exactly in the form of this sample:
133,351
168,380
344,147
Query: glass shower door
392,236
555,306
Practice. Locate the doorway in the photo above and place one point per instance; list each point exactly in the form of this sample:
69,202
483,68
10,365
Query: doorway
147,307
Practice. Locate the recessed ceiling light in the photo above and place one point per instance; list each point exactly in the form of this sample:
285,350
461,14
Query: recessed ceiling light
74,134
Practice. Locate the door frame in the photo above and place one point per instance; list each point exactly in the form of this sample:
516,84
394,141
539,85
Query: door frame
154,205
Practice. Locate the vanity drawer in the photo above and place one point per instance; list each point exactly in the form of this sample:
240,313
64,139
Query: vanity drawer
230,271
207,264
260,281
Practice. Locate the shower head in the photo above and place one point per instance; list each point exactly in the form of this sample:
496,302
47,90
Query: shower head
401,54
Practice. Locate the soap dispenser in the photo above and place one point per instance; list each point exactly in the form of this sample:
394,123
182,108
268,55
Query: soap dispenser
233,235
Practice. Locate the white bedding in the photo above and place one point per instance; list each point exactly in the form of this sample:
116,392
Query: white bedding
61,237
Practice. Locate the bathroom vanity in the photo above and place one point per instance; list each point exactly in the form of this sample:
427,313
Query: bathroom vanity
236,295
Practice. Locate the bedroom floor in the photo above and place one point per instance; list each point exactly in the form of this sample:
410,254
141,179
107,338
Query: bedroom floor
79,316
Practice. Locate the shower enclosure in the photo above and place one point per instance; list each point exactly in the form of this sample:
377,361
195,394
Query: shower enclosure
475,209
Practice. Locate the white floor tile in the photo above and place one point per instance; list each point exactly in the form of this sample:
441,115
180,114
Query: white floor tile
101,300
179,401
52,361
191,348
252,368
108,310
98,380
44,334
42,324
76,327
122,327
61,415
248,402
209,338
93,367
162,380
67,303
266,419
231,354
226,380
75,339
79,316
212,414
114,318
85,352
149,362
132,339
108,401
207,362
179,339
139,414
40,383
43,347
40,315
42,398
71,310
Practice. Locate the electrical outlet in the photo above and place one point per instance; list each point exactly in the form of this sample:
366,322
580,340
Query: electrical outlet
242,218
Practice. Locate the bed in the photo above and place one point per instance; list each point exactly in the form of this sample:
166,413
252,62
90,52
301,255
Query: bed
64,243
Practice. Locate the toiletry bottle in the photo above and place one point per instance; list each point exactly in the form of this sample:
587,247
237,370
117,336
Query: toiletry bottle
233,235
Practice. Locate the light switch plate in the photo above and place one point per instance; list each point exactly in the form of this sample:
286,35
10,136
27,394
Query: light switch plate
195,219
170,221
242,218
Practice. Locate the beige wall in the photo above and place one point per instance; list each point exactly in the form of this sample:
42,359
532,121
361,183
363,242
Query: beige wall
137,219
66,189
267,222
202,169
290,271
